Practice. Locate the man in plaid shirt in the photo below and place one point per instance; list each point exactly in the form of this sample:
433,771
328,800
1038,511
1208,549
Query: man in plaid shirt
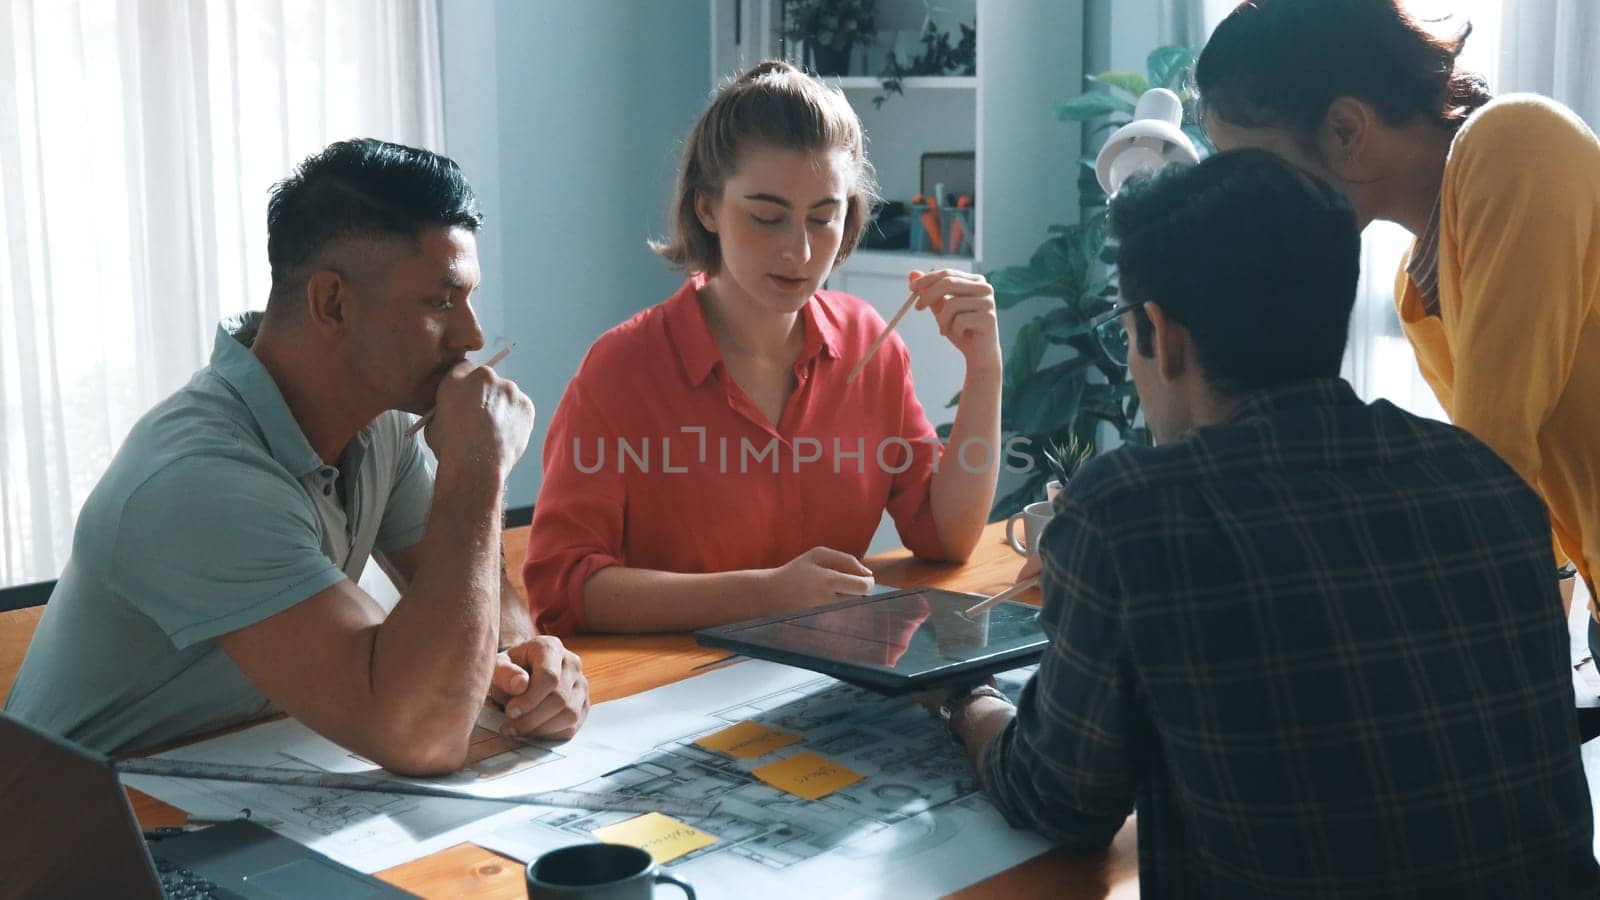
1318,643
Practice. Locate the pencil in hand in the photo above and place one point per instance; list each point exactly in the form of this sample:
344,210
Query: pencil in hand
427,417
862,362
900,314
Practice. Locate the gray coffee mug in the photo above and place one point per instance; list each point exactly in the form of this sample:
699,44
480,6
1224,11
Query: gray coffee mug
597,872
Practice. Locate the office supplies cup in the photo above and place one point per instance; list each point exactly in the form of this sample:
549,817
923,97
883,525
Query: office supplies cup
597,872
1034,517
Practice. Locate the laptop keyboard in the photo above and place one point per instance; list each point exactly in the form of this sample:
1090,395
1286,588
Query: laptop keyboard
180,883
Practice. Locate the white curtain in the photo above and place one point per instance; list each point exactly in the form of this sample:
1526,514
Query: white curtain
138,140
1551,47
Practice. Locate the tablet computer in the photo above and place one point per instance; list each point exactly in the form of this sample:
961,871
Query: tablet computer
894,643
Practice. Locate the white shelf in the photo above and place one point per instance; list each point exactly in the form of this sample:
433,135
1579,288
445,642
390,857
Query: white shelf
899,262
916,82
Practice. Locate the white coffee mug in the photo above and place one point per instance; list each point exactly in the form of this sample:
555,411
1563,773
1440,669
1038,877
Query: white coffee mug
1034,517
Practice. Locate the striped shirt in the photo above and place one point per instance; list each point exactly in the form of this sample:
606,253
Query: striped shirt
1422,265
1319,646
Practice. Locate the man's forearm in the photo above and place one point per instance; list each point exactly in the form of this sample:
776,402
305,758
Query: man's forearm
516,622
433,656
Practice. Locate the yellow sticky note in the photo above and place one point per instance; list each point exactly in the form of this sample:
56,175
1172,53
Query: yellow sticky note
807,775
747,740
662,837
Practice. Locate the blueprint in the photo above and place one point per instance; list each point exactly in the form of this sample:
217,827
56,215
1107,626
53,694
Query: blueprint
893,832
364,830
915,824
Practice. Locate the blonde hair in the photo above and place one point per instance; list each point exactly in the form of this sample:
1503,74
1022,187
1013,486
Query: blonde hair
774,104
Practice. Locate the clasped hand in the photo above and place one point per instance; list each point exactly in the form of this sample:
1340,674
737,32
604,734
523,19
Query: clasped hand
541,686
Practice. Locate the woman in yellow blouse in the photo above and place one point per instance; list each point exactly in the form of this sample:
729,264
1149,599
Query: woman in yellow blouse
1500,294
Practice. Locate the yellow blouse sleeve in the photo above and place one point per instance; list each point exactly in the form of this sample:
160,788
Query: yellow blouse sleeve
1522,192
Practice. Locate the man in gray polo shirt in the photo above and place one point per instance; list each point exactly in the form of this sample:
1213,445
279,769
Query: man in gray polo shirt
213,570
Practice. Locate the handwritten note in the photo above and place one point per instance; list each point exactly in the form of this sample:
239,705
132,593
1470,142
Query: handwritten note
747,740
662,837
807,775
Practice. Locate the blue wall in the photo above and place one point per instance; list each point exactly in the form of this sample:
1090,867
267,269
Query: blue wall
568,118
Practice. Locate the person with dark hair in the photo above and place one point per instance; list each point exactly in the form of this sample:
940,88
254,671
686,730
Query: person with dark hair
213,574
1314,641
1500,293
712,460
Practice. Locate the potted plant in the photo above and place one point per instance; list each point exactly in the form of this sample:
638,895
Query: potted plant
830,29
935,56
1059,386
1064,460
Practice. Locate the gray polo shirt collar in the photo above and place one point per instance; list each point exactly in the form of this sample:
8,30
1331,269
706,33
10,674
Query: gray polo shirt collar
233,362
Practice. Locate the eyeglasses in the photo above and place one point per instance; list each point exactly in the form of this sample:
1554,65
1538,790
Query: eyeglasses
1108,330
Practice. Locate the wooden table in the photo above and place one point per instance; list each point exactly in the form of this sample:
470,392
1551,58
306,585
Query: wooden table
618,666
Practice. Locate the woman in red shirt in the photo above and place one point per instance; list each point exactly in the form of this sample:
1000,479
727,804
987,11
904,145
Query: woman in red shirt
709,461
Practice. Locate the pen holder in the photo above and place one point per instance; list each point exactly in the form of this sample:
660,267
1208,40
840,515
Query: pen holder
957,222
927,231
942,230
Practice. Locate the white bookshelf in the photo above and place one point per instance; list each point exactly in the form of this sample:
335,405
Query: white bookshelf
897,263
912,83
1029,55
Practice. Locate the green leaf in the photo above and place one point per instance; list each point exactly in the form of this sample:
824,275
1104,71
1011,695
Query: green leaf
1056,257
1014,284
1132,83
1091,105
1050,399
1023,360
1064,332
1098,295
1091,238
1056,269
1169,65
1112,123
1089,191
1063,323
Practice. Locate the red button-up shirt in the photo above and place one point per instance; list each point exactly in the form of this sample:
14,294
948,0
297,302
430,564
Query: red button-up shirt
656,459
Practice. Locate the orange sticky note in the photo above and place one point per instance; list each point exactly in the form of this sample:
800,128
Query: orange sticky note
747,740
662,837
807,775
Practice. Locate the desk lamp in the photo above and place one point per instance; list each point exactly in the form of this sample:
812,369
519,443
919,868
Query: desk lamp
1153,140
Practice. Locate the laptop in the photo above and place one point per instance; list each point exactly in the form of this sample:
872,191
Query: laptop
74,835
894,643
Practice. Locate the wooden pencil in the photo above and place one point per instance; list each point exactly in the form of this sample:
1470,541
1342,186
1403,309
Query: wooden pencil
899,314
427,417
1015,590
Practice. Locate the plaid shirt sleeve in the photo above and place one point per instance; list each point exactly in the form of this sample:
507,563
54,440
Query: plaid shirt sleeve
1068,765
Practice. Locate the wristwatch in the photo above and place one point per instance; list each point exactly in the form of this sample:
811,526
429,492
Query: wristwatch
959,699
1570,570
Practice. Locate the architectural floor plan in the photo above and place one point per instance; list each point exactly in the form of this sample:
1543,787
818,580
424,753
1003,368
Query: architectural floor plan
918,794
907,821
909,764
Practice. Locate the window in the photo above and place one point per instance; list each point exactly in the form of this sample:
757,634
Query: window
137,145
